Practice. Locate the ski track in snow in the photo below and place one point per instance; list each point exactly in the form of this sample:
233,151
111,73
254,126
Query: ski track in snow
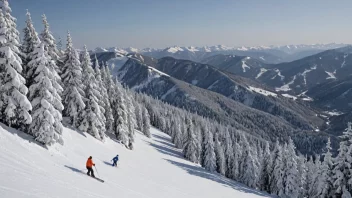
154,169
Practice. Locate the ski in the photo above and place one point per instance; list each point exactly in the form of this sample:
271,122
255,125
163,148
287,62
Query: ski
96,179
99,179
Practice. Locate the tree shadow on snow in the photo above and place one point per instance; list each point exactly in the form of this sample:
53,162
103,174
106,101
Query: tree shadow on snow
165,150
75,169
166,139
67,125
22,135
165,143
201,172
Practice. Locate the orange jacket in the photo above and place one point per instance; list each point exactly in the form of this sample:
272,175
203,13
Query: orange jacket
90,163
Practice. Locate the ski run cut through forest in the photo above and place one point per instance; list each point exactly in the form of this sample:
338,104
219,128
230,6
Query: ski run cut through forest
154,169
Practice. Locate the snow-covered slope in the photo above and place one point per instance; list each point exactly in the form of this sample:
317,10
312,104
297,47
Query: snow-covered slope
154,169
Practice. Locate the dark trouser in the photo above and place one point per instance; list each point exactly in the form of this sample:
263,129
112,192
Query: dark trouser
90,171
115,163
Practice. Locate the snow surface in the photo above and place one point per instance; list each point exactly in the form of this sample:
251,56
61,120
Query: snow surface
333,113
278,73
244,66
306,71
262,91
286,87
289,96
330,75
262,71
344,60
154,169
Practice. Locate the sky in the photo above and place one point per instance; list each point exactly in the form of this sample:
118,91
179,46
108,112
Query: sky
163,23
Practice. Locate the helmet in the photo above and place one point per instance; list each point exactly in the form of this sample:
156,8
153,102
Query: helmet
90,157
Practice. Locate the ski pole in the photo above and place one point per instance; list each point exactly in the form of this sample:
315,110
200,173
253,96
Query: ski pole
97,171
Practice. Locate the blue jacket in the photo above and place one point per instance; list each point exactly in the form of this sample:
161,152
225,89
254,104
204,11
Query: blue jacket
115,159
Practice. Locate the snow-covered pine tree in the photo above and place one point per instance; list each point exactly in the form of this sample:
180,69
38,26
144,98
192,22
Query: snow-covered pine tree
73,95
139,116
228,152
91,118
14,105
276,183
220,156
178,139
46,126
209,156
131,119
35,58
199,140
302,172
50,43
312,177
342,166
325,173
267,168
290,178
189,149
30,41
145,122
90,122
249,165
119,109
236,161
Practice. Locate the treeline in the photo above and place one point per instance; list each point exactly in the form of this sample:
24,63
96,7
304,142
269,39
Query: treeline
276,169
40,84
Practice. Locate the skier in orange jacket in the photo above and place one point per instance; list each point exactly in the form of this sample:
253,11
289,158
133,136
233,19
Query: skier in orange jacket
89,166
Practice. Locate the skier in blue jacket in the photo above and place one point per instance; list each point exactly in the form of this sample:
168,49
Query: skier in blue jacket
115,159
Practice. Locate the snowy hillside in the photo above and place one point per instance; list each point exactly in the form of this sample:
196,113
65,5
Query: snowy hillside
153,169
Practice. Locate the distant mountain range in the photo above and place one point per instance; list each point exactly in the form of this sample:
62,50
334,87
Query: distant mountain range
267,100
267,54
324,77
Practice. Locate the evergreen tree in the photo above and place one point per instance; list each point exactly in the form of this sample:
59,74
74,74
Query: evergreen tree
342,165
302,172
178,140
220,156
46,126
50,43
267,169
131,120
209,157
277,185
228,152
189,149
71,76
92,120
325,173
14,105
237,161
290,178
120,115
145,122
139,117
249,165
30,41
